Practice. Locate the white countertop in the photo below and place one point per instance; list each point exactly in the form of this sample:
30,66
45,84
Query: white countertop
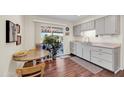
98,44
106,45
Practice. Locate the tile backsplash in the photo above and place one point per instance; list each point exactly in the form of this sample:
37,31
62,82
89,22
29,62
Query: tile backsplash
103,39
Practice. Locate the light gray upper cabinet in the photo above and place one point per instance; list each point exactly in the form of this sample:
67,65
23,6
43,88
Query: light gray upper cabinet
88,26
83,27
74,30
112,25
100,26
109,25
91,25
77,30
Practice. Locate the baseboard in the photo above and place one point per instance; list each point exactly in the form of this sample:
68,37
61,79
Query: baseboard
11,75
117,71
4,75
121,68
1,75
67,54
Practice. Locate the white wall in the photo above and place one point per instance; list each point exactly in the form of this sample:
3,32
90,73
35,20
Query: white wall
7,50
29,32
108,39
32,38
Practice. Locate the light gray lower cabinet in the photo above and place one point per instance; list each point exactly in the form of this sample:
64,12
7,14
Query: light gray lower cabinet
79,49
86,52
105,57
76,48
72,47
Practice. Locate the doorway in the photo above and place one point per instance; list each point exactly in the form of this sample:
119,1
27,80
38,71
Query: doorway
56,31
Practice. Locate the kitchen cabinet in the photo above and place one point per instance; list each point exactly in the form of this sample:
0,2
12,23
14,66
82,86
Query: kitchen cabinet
83,27
112,25
74,31
108,25
79,49
107,58
91,25
72,47
88,26
86,52
77,30
76,49
100,26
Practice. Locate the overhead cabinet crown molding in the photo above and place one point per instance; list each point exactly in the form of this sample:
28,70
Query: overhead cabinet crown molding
108,25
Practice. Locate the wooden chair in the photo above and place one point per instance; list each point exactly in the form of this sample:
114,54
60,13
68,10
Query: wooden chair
31,71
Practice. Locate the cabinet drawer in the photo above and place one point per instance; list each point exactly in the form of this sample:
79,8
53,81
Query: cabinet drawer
104,56
102,63
99,49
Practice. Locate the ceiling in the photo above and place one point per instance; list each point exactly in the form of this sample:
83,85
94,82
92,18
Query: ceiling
69,18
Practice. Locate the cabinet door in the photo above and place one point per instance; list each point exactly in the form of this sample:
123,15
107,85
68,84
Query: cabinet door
82,27
74,30
111,24
72,47
77,30
91,25
75,48
100,26
86,52
79,49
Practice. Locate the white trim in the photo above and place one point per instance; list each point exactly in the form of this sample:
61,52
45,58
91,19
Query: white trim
117,71
49,22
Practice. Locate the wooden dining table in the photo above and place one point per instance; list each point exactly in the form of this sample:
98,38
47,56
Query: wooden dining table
30,55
